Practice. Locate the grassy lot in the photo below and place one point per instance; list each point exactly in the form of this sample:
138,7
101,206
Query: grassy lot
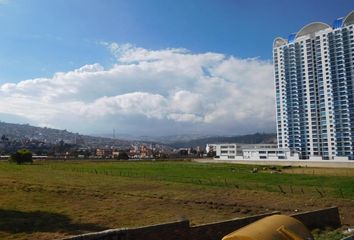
223,175
53,199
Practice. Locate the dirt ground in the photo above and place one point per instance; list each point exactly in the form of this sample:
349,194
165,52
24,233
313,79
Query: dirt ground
137,203
201,207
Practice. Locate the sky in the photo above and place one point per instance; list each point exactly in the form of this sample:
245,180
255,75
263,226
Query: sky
147,67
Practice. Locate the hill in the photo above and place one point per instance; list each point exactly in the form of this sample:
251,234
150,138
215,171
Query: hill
248,139
20,132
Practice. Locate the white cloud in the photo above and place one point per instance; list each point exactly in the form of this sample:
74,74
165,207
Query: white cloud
207,92
149,105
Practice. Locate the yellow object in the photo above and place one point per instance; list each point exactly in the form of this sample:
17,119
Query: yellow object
275,227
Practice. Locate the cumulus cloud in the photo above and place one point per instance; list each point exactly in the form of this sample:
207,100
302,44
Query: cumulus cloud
176,90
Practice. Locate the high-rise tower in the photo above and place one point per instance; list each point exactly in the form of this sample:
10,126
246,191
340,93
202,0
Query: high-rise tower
314,78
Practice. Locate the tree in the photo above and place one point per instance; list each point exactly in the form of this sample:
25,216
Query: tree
211,154
4,138
22,156
123,156
183,152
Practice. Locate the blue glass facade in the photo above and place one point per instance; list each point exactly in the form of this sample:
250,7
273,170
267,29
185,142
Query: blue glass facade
291,37
338,23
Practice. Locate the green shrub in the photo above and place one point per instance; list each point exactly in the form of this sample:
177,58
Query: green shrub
327,234
22,156
123,156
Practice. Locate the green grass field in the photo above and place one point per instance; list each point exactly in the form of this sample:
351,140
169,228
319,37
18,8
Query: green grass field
221,175
53,199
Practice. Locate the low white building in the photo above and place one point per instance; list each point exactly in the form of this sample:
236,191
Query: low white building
234,151
229,151
269,153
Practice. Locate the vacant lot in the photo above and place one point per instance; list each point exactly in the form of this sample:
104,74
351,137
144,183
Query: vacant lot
54,199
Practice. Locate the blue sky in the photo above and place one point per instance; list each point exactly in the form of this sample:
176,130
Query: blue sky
40,38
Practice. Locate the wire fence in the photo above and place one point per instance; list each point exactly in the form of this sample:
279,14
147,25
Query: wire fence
285,189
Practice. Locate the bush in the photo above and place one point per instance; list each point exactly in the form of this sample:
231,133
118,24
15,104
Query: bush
22,156
123,156
327,234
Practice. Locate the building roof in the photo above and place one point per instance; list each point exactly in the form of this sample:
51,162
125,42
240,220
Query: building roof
279,42
314,27
349,19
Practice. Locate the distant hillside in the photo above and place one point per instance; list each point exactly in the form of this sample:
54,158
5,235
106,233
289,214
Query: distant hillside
249,139
49,135
170,139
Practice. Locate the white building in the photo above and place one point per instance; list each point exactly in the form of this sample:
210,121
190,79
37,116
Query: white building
314,81
233,151
269,154
228,151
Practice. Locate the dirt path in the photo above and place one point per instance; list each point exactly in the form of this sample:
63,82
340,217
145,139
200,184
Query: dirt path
295,163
